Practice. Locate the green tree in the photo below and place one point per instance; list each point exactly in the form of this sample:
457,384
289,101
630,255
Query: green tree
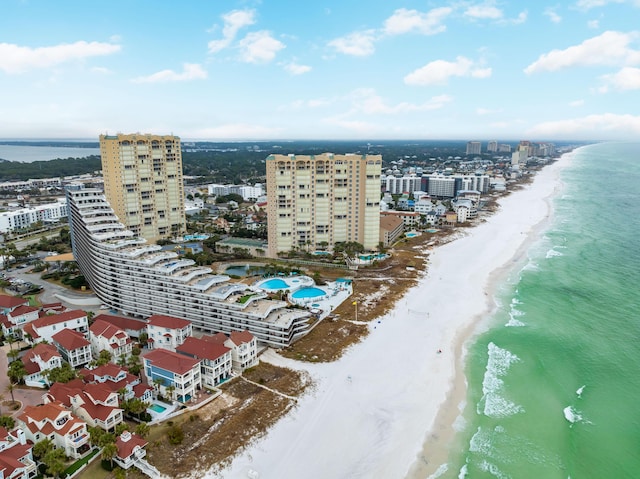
7,422
120,428
143,429
109,451
41,448
13,355
16,372
55,461
62,374
175,434
103,358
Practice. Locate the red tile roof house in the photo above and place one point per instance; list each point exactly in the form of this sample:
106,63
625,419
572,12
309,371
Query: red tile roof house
106,336
43,328
73,347
37,361
167,332
244,348
55,422
116,379
9,303
164,369
131,451
16,461
133,327
16,320
215,359
93,403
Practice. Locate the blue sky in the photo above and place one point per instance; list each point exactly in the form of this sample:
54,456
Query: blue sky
338,69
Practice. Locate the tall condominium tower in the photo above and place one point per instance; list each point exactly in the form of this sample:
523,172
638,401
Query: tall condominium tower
319,200
474,148
143,183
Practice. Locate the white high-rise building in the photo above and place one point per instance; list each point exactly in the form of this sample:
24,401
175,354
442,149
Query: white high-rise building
140,279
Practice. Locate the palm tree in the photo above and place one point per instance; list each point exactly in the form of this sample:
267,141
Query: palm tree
10,388
109,451
142,429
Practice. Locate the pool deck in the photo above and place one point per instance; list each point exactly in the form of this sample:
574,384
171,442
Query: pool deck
336,293
159,416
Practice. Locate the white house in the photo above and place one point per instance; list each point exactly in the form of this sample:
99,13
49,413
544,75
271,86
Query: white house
37,361
16,459
215,359
43,328
106,336
244,348
167,332
55,422
73,347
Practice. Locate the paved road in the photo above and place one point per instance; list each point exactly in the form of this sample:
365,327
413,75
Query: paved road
53,293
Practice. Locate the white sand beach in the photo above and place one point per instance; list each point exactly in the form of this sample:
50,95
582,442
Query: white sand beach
385,410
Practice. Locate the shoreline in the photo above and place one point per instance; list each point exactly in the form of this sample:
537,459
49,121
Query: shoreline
393,387
437,447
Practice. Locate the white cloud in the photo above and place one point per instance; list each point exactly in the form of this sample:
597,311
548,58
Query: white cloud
626,79
606,125
609,48
576,103
588,4
297,69
594,24
233,22
366,100
521,18
553,15
482,12
438,72
259,47
101,70
18,59
406,21
359,44
191,71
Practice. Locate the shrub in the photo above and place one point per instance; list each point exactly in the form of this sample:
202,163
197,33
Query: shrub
175,434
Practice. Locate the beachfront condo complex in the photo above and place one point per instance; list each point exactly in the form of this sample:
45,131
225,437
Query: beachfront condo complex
315,201
143,183
139,279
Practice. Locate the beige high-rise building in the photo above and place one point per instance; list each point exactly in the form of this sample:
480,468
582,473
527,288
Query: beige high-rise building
143,183
316,201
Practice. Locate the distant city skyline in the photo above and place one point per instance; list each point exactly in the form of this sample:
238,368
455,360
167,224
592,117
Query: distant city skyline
253,70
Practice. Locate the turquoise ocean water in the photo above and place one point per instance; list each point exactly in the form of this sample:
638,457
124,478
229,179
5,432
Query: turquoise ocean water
554,383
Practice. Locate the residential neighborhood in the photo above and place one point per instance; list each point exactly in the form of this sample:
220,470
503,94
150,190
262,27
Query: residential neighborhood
81,364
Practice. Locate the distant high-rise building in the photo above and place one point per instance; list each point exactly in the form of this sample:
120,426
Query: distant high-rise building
474,148
492,147
320,200
504,148
143,183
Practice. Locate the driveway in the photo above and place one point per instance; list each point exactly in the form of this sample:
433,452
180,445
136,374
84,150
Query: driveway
26,396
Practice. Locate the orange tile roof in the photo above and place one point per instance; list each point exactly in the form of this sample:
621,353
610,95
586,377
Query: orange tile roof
241,337
128,443
23,309
70,339
9,302
122,323
170,322
170,361
202,349
50,319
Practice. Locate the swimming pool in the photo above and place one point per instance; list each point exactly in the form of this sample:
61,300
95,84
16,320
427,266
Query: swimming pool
275,283
410,235
308,293
157,408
